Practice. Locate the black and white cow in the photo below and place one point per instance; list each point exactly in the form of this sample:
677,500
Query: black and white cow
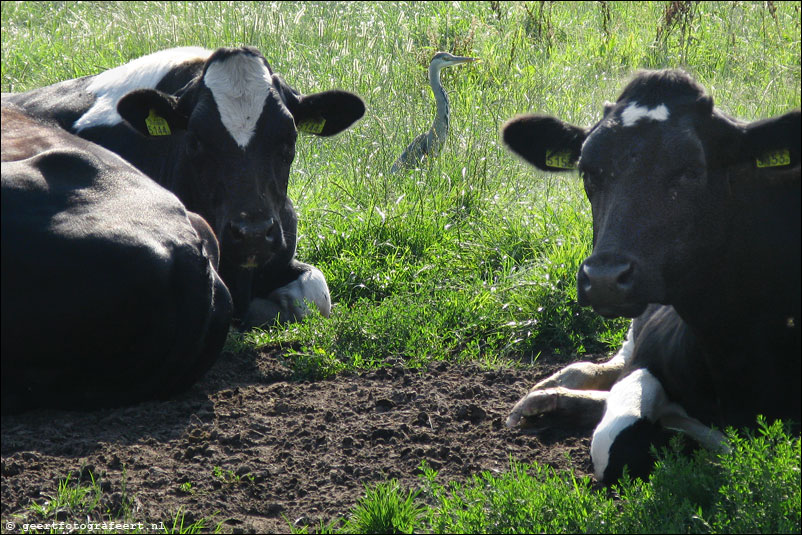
110,293
696,235
218,129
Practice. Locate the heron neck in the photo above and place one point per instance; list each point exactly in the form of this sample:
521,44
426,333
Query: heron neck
440,125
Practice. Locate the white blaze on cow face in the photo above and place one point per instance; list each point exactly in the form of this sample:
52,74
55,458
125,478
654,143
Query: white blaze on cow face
638,396
142,73
240,84
634,113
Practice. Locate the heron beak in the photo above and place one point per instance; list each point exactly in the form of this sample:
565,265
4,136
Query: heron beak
463,59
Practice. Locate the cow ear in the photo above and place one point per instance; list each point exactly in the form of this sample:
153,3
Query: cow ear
545,142
774,142
322,114
704,105
328,113
152,112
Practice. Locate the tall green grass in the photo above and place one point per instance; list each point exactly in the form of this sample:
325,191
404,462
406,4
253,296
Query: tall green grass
473,256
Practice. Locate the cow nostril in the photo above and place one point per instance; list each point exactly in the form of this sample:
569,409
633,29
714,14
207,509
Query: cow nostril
612,277
254,233
237,230
269,230
625,276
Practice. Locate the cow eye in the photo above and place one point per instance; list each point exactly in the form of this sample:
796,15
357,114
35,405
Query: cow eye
685,177
592,179
287,154
689,176
193,145
218,195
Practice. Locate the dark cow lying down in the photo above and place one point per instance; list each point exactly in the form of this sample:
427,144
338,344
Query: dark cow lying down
110,293
218,129
696,235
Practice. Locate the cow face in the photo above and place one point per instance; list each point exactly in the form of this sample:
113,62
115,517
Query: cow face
656,170
235,127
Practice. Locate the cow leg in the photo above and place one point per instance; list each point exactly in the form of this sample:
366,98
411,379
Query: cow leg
578,390
290,302
709,438
638,415
584,407
629,427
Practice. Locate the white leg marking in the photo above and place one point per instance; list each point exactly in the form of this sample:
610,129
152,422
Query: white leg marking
240,84
572,380
584,406
624,355
142,73
637,396
590,376
311,287
289,303
634,113
708,437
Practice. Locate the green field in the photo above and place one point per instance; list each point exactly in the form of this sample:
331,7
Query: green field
473,256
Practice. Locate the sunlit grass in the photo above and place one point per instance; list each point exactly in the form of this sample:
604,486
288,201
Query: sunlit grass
475,252
86,503
755,488
474,256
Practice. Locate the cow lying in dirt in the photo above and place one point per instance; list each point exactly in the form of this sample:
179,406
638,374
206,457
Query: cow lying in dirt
110,290
696,235
217,128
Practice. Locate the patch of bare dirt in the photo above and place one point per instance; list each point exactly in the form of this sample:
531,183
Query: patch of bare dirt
286,450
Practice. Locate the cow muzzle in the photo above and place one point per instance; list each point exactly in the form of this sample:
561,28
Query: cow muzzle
255,241
606,282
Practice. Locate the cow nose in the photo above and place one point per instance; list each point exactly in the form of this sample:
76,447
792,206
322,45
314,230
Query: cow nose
244,231
605,280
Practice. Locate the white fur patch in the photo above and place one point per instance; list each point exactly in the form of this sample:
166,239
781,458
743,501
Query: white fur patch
239,84
312,287
624,354
142,73
634,113
636,397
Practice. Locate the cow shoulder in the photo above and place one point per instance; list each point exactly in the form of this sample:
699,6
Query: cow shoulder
63,102
106,262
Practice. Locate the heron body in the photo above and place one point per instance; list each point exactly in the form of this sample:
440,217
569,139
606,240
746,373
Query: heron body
428,144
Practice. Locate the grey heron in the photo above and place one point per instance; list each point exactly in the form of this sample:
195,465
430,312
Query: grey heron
428,144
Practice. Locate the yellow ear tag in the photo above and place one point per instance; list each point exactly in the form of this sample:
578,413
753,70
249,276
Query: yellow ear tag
560,160
157,126
774,158
312,126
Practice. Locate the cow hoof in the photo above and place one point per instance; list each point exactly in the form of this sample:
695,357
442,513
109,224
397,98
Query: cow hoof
534,403
581,406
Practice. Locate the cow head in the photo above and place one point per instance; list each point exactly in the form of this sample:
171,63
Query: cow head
235,127
659,170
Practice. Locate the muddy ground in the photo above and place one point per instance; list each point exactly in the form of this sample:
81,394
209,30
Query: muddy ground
287,451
